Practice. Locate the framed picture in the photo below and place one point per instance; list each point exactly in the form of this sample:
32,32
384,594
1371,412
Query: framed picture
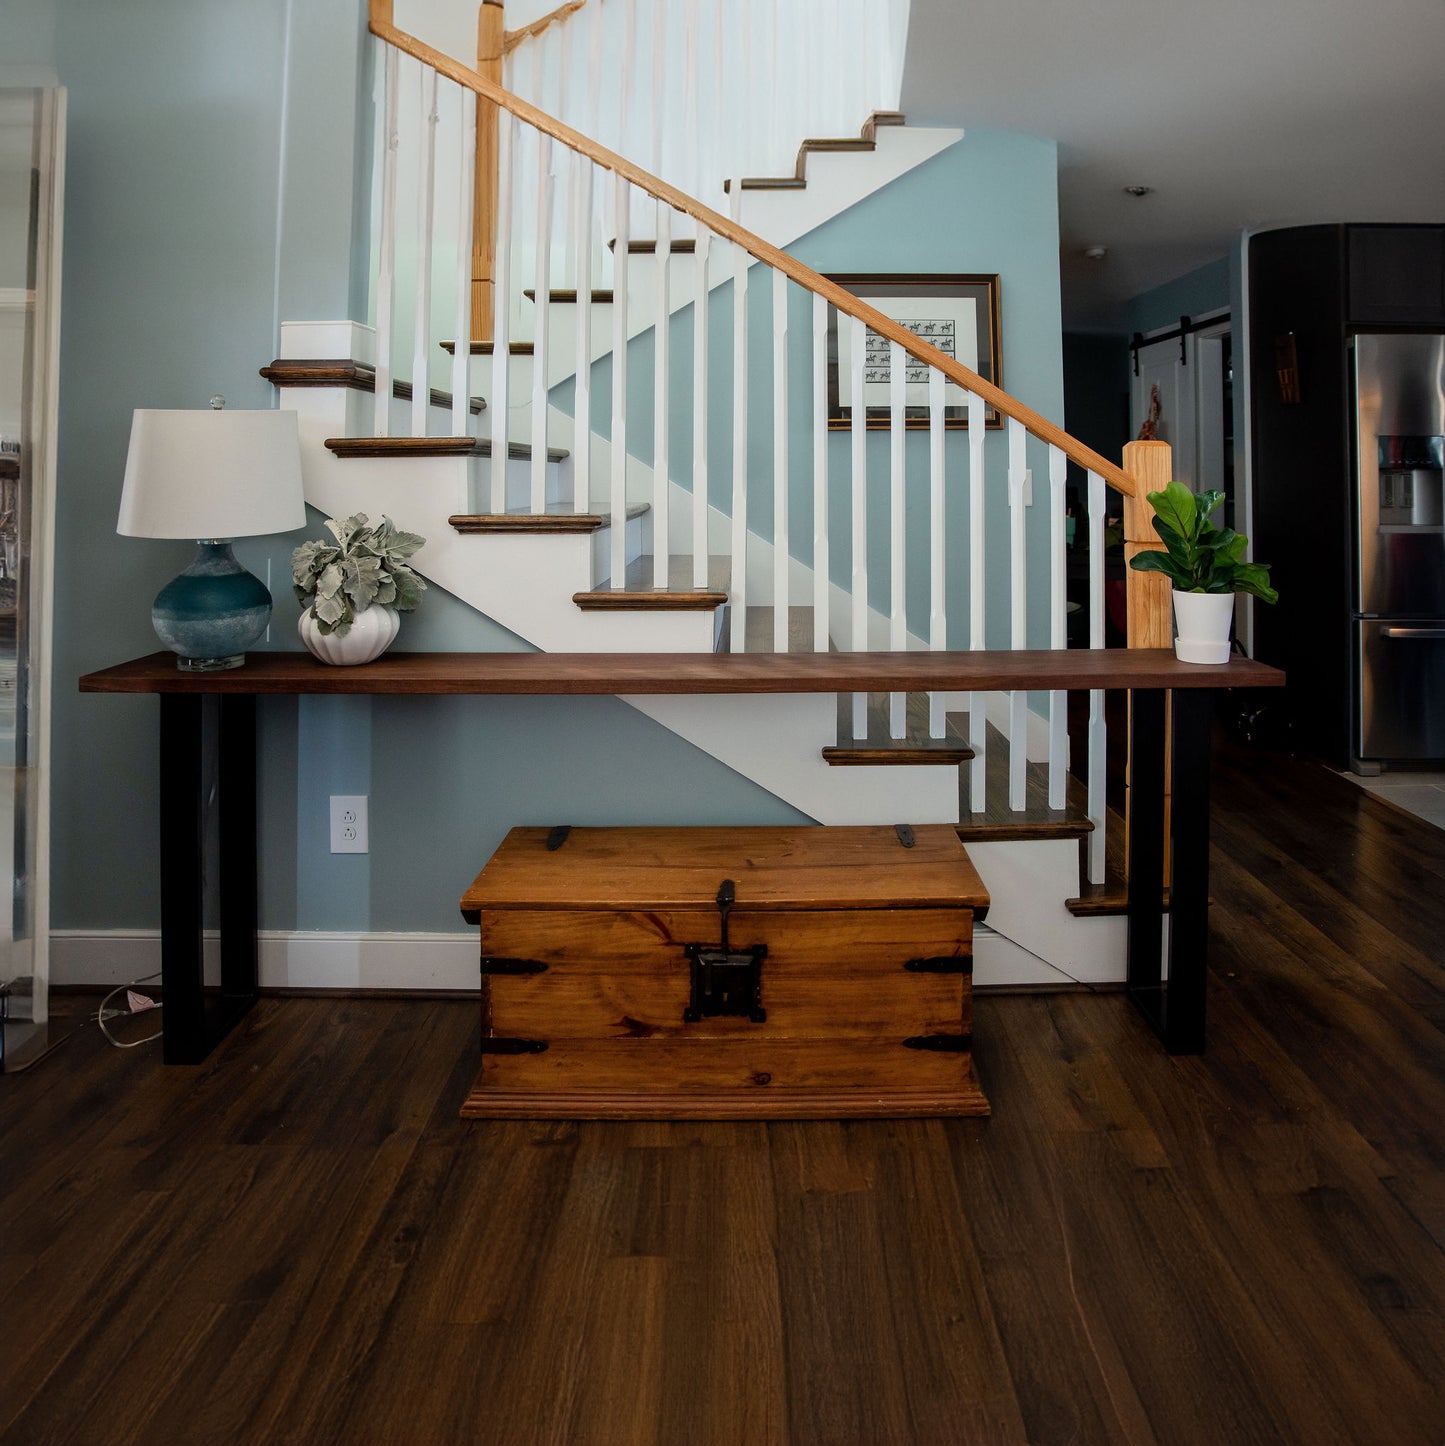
956,314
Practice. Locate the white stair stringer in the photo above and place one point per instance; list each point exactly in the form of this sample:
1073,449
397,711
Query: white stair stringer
838,180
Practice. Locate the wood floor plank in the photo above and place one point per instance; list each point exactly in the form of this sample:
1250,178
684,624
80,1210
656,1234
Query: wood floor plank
299,1240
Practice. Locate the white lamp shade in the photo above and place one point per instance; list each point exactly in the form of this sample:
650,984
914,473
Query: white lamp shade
212,474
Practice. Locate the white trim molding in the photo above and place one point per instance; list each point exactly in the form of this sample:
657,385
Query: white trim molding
427,963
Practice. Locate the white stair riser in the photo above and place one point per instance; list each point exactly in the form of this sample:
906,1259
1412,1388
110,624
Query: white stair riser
1027,883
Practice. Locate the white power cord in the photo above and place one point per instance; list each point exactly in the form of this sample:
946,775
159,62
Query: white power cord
139,1004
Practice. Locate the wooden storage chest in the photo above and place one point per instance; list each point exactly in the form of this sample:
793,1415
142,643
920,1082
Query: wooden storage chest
674,973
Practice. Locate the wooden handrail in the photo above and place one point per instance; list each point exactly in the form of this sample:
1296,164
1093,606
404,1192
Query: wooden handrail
513,38
382,27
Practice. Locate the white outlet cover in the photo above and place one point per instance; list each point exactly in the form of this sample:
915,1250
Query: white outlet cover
349,833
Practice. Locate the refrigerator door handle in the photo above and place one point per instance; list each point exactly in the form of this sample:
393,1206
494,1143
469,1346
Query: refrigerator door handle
1412,632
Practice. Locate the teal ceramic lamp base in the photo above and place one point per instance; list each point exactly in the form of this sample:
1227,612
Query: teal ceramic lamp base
212,612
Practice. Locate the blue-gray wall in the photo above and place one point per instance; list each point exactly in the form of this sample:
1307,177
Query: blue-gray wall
193,226
1207,288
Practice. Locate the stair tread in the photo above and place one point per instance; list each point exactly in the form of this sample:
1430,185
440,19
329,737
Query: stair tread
685,246
569,297
1036,820
487,348
433,447
638,593
558,518
347,372
769,183
1103,900
864,141
917,745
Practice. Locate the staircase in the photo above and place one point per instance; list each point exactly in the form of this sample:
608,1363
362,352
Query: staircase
592,538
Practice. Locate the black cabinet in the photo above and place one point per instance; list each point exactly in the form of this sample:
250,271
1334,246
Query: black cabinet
1397,276
1312,289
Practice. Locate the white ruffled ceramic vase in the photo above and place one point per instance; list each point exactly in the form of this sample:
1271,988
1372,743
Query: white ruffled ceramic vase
371,633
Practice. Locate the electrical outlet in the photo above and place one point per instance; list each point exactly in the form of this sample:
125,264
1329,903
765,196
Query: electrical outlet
348,824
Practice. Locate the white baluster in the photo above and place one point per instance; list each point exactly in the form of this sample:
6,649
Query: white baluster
624,91
661,367
722,139
937,607
692,99
541,325
774,131
501,308
782,593
699,411
977,711
822,586
858,440
527,178
619,383
1058,628
426,194
897,522
565,195
1018,483
566,109
658,109
877,78
748,130
386,272
739,558
1098,733
461,350
582,395
594,76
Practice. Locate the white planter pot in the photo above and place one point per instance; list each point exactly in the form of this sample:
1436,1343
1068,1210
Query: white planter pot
369,636
1201,623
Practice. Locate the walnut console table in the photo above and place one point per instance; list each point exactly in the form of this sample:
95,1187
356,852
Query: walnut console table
193,1023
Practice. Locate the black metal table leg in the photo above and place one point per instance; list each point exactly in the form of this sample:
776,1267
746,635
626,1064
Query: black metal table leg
240,965
192,1027
1188,872
1172,1003
1146,847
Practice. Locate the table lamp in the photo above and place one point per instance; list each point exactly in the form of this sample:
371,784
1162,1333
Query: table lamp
212,476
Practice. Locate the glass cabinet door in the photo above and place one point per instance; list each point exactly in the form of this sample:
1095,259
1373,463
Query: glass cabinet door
32,124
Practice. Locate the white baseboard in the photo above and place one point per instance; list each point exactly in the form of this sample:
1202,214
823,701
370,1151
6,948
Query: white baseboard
306,960
300,960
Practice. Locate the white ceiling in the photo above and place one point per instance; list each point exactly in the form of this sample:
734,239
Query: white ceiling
1240,113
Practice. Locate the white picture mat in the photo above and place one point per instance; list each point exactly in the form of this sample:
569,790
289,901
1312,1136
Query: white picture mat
947,322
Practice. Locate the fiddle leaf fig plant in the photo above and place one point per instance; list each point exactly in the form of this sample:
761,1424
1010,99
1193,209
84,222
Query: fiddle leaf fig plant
1198,556
366,564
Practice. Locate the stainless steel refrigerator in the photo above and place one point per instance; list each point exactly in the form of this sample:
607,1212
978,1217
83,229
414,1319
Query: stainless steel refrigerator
1398,622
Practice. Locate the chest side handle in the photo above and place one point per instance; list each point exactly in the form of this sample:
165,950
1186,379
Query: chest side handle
940,1043
492,965
941,964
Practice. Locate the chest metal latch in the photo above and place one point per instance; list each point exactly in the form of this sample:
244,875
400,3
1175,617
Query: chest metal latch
725,980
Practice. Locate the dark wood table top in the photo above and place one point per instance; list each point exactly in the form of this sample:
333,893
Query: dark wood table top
518,674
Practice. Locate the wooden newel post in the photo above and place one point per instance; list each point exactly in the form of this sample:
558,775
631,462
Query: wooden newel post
490,32
1148,598
1150,608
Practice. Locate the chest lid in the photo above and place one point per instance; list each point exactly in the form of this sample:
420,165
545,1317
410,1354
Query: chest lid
794,867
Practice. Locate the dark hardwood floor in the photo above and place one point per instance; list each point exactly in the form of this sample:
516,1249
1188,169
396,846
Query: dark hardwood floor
299,1241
